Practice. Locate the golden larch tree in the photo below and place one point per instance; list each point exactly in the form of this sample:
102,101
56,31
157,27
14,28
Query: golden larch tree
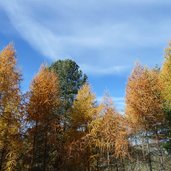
165,79
83,112
43,102
144,107
10,113
109,134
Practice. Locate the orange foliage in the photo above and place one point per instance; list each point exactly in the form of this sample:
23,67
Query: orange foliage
109,132
144,106
10,113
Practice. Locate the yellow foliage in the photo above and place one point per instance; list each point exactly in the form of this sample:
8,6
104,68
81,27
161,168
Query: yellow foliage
10,113
83,112
109,131
143,98
165,78
44,95
42,106
84,109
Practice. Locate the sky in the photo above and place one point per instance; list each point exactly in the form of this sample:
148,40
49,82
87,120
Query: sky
105,37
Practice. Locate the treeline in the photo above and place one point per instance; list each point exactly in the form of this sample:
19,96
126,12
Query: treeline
59,126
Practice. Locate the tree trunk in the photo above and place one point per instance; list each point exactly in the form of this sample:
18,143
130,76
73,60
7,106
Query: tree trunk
143,150
149,154
108,160
2,158
5,148
117,169
34,147
45,152
123,165
160,152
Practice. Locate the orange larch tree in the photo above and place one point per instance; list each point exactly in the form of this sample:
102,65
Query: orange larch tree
144,108
10,113
83,112
108,134
43,102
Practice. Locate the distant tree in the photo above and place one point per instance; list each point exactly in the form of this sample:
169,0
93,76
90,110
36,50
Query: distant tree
10,109
43,101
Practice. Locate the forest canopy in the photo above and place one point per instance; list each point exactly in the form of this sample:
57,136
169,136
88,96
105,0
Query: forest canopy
58,125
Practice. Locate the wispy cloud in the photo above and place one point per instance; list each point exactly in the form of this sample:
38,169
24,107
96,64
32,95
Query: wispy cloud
38,36
99,36
96,70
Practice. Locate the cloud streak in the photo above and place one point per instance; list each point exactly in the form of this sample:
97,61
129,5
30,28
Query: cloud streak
98,35
95,70
38,36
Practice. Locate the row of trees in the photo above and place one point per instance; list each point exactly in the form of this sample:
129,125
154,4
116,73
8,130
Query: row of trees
58,125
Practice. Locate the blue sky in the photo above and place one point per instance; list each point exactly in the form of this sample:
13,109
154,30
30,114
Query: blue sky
105,37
